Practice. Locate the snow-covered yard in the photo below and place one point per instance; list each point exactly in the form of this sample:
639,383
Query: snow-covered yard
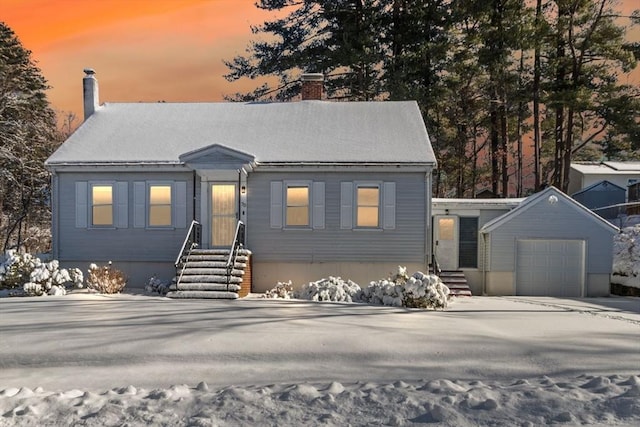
92,359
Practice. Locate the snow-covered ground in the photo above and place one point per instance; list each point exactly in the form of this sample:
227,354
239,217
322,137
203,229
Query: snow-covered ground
86,359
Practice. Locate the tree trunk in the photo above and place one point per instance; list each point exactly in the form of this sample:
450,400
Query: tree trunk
537,131
495,144
504,143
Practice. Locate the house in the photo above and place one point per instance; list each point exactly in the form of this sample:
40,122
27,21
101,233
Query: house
603,197
587,183
548,245
324,188
585,174
457,244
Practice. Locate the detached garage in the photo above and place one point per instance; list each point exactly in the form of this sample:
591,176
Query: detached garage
550,245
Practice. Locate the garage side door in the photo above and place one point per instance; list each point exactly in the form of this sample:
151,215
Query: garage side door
550,268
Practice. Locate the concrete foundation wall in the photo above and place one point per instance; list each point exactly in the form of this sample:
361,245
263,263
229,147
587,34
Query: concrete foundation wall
138,273
499,283
267,274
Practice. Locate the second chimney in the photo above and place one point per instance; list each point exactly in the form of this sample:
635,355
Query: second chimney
312,85
90,92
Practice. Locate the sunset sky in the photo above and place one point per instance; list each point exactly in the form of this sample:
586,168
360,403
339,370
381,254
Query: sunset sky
143,50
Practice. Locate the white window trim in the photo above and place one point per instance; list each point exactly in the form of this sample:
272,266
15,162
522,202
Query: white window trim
367,184
285,205
278,205
90,205
147,213
387,203
141,204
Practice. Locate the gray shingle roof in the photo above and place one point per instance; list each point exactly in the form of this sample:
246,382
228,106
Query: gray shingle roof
306,131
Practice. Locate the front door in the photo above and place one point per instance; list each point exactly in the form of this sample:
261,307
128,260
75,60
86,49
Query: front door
446,241
224,213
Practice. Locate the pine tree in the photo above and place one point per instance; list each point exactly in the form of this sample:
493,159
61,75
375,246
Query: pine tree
27,137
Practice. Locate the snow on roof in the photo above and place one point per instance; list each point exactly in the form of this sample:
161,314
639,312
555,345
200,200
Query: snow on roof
306,131
608,168
478,203
536,198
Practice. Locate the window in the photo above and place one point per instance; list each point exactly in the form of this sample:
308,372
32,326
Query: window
468,243
160,206
101,205
368,206
297,212
297,205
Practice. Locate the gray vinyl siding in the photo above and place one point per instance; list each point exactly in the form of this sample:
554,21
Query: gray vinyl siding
405,243
116,244
542,222
486,215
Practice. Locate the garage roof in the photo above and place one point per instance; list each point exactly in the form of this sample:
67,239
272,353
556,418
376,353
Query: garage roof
549,195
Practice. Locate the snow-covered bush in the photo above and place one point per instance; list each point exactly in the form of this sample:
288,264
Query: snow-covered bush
331,289
36,277
283,290
626,257
400,290
157,286
418,291
106,279
425,291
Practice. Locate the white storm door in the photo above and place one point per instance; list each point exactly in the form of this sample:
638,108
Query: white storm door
224,214
446,241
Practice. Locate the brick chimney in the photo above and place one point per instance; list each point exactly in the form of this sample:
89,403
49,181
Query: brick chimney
312,86
90,92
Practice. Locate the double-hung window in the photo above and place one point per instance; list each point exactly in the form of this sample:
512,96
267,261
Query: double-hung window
102,205
160,205
297,205
368,205
297,211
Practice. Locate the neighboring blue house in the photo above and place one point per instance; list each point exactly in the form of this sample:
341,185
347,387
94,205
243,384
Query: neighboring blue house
324,188
600,195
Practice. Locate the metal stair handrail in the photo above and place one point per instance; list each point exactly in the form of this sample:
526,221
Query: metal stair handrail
435,265
192,240
238,243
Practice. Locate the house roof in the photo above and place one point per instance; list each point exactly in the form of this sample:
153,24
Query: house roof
478,203
541,197
607,168
604,184
291,132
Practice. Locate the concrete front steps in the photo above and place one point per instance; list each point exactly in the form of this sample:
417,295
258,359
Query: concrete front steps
205,275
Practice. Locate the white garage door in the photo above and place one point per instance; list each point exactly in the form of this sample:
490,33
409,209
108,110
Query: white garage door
550,268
